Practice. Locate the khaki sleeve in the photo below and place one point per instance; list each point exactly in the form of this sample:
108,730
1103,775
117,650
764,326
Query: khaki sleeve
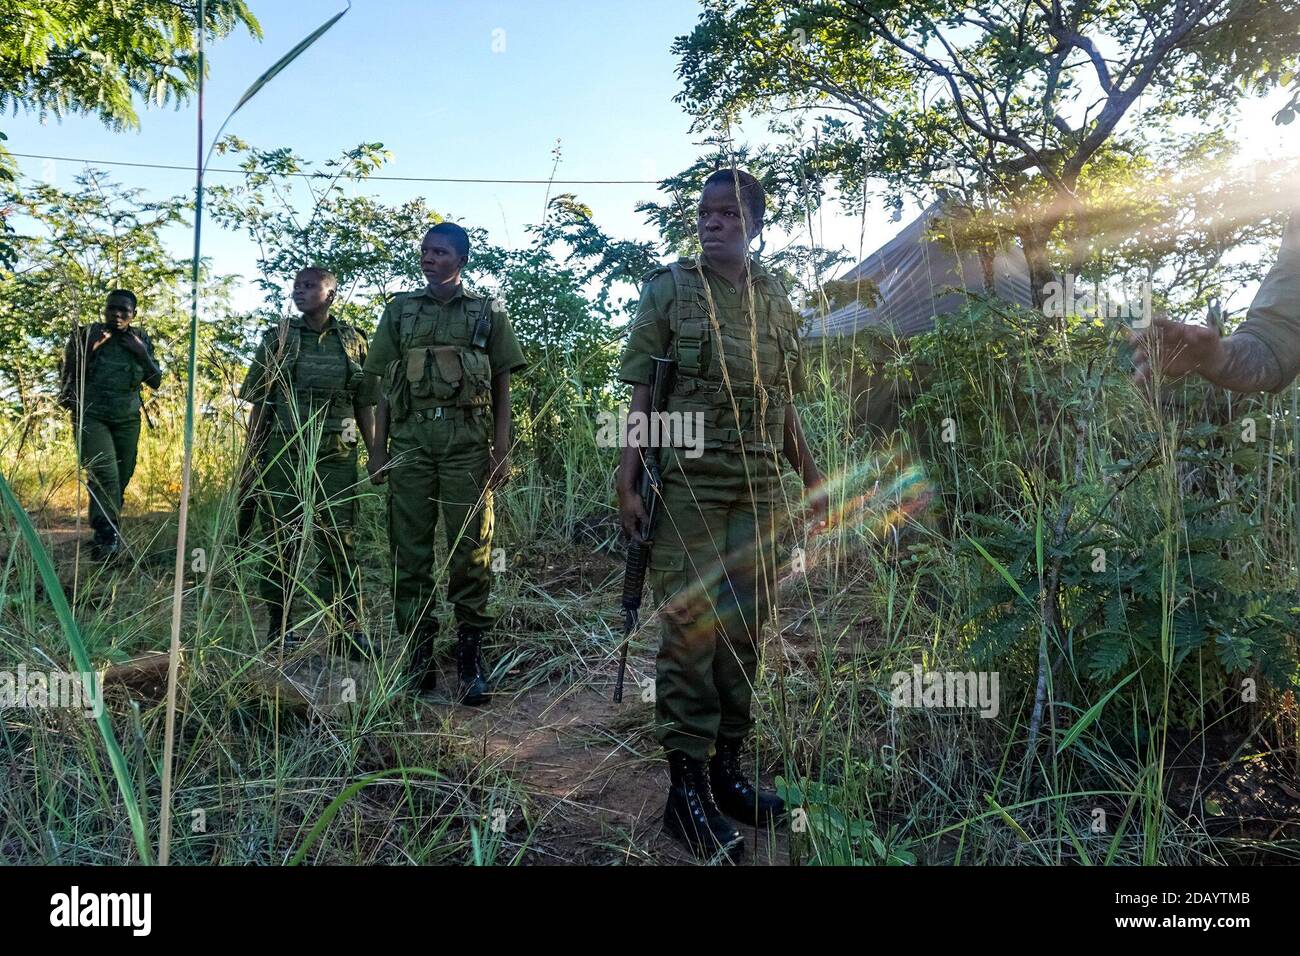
384,347
504,351
254,388
1274,315
649,332
366,388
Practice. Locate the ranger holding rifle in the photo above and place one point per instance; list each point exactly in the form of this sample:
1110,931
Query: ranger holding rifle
732,333
104,366
311,402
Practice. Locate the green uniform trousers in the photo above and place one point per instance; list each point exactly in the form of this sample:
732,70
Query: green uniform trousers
304,501
713,573
108,449
441,464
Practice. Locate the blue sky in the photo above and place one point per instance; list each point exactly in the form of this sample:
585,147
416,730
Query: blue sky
458,89
424,79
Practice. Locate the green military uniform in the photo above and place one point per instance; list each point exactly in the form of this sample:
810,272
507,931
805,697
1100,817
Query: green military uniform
713,567
106,416
310,383
437,361
1274,314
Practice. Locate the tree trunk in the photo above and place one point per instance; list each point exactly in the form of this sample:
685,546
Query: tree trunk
1034,243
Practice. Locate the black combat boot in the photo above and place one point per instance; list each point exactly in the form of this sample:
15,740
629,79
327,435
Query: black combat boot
734,789
277,634
105,545
469,665
693,817
356,645
420,663
351,640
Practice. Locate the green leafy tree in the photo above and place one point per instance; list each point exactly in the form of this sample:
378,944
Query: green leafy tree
89,56
93,57
1023,110
299,214
73,247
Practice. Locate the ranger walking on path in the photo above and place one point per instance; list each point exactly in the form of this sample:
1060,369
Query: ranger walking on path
104,366
730,328
442,432
311,402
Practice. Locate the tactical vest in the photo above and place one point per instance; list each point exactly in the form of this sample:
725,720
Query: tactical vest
444,357
320,383
745,410
113,376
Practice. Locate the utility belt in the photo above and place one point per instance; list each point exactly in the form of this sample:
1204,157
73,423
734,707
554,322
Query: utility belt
741,392
741,418
440,412
429,377
308,402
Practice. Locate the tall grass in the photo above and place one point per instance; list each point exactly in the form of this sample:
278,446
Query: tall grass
886,588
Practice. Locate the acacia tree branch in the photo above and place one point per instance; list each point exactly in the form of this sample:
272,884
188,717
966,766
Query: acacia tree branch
1117,105
876,26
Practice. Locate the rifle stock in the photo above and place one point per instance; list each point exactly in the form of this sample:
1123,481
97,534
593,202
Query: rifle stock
638,552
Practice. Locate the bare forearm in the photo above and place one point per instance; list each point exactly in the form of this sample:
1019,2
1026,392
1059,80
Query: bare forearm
795,447
501,411
365,416
629,464
379,439
1249,366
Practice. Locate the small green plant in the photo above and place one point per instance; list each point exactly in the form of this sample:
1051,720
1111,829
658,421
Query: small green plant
835,829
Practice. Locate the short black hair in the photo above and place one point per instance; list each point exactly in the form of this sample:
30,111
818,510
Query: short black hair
458,236
325,277
121,294
750,190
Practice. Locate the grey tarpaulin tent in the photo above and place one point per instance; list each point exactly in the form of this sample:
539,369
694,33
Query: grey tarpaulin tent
915,275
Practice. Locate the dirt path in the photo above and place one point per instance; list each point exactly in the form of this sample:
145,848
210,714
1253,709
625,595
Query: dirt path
591,778
593,775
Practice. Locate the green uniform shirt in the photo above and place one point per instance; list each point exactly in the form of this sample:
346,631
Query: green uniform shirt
713,477
649,334
1274,316
113,374
364,390
503,349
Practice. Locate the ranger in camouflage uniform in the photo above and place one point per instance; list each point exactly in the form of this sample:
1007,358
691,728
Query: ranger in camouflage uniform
103,369
445,354
729,326
307,378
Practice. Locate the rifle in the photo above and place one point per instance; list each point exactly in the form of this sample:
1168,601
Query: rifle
638,552
144,407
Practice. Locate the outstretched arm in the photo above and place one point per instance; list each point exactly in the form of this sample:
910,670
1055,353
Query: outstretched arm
800,457
1241,362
